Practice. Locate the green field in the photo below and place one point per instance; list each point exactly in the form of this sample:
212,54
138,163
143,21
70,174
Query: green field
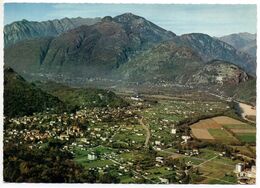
206,154
222,135
158,172
247,137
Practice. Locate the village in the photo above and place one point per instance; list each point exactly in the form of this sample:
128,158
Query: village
101,138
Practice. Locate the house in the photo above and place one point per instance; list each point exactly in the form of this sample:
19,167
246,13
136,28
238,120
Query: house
91,156
173,131
185,138
159,159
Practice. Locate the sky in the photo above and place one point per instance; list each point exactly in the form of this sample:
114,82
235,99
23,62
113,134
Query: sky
215,20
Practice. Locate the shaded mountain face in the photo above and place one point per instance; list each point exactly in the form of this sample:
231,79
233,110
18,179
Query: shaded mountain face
22,30
22,98
210,48
245,42
88,50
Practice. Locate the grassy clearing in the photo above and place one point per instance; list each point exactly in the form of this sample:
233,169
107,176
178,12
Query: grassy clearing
158,172
214,170
206,154
227,178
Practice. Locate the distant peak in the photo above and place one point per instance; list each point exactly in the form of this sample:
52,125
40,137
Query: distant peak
128,15
24,20
107,18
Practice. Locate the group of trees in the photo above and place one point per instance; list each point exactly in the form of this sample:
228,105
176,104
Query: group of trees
49,164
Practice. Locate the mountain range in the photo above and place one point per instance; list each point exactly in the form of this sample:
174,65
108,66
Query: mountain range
245,42
132,49
22,30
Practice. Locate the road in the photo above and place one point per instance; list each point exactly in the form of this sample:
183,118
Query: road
148,133
116,132
206,161
196,158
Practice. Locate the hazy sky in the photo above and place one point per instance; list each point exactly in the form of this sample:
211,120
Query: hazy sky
215,20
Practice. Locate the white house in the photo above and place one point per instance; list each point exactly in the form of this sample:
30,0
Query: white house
91,156
173,131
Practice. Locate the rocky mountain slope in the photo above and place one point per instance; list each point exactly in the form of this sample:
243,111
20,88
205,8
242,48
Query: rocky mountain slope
210,48
245,42
219,73
22,30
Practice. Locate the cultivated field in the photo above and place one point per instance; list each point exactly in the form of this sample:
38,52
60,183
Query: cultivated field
202,134
223,120
224,129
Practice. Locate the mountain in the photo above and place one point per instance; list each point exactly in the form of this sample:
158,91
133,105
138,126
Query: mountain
22,98
22,30
87,51
168,62
164,62
210,48
84,97
110,48
245,42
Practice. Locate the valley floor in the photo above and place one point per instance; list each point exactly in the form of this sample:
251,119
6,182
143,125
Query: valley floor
151,141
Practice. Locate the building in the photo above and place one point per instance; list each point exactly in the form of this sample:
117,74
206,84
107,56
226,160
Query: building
159,159
185,138
173,131
239,167
91,156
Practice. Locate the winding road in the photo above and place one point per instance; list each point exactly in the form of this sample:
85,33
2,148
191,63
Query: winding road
148,133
